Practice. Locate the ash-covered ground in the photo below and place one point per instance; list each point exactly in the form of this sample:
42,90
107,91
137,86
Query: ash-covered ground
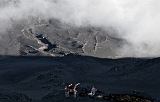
42,79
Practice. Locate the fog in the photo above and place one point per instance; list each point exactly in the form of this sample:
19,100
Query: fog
135,21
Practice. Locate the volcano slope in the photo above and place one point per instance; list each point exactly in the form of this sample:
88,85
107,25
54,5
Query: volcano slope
53,38
39,57
42,79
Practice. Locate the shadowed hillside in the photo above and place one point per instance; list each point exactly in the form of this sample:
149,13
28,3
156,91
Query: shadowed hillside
38,76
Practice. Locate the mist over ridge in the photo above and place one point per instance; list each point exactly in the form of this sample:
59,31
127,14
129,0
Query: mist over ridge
136,22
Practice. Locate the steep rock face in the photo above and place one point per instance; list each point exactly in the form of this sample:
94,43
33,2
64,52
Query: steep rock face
53,38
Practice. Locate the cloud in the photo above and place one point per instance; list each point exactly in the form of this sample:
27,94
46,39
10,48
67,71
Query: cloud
135,21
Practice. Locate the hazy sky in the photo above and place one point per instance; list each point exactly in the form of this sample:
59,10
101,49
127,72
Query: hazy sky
136,21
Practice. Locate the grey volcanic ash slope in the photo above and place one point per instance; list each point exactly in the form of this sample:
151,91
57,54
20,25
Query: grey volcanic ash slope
112,20
57,39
